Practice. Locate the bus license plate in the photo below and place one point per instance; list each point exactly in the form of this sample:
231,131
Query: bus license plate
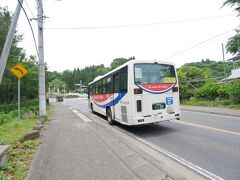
157,106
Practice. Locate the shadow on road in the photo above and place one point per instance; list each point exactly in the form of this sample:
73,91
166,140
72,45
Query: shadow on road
148,130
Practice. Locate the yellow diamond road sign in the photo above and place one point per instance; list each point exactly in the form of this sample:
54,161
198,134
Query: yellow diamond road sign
19,70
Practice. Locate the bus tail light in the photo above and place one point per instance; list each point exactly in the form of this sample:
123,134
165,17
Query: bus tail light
139,105
175,89
137,91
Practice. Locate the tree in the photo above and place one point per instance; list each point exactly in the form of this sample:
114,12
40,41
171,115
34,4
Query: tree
233,45
190,78
118,62
8,87
233,3
215,68
56,85
86,75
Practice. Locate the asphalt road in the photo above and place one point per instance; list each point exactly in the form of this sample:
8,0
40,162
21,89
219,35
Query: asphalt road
209,141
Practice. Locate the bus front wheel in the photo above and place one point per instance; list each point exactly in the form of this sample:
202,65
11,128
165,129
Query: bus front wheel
109,117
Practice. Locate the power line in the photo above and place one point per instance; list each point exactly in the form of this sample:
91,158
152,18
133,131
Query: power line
137,25
198,44
30,27
29,8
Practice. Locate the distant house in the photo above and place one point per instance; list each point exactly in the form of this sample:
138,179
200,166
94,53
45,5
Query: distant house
235,73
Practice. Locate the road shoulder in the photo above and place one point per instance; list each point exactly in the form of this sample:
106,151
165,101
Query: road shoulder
213,110
76,149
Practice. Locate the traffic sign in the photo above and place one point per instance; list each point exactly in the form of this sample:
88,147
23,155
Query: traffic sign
19,71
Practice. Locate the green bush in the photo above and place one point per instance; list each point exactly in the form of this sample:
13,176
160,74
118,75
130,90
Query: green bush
223,90
230,92
234,92
2,176
208,91
3,118
8,112
185,93
31,105
6,117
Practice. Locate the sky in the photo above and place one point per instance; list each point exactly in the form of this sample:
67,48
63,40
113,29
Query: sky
79,33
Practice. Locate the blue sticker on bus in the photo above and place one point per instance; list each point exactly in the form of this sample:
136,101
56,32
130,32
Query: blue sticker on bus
169,100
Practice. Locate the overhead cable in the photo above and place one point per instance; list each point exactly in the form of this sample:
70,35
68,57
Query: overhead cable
35,43
136,25
198,44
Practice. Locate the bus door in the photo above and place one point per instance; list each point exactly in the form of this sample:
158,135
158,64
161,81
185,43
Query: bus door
116,107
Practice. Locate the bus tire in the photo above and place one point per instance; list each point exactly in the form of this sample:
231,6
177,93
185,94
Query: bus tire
109,116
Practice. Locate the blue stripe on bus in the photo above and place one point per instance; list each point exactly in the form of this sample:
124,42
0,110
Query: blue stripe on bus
155,92
113,102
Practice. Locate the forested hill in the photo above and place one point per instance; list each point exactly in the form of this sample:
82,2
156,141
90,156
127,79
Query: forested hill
85,75
215,68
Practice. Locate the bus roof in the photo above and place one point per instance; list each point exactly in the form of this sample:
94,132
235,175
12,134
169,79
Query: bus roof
130,62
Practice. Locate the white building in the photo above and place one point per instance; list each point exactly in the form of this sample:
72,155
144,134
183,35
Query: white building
235,73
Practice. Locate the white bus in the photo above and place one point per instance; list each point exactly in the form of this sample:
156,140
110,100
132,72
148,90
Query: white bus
137,92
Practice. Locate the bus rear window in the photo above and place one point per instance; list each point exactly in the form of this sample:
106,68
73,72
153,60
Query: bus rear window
154,74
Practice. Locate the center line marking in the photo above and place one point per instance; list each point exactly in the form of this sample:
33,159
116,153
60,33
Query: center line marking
207,127
81,116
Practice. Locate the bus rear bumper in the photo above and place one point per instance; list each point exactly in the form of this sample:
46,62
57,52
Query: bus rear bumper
156,118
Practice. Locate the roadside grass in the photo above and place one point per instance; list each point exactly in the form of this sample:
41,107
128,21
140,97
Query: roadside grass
20,153
13,130
215,103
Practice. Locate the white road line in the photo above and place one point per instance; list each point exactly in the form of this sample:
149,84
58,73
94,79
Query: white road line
75,107
81,116
85,110
212,114
207,127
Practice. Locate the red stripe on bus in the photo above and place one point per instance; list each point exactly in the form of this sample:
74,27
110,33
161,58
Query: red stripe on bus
156,87
101,97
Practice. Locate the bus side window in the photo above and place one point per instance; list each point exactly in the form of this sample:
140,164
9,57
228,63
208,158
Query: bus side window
109,88
109,85
123,79
100,87
104,86
94,89
116,83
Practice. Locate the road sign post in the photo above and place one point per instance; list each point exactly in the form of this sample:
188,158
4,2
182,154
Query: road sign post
19,104
19,71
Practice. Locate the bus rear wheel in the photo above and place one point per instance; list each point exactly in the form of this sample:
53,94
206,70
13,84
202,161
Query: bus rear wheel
109,116
92,108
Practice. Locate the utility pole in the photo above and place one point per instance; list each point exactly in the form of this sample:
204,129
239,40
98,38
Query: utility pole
9,39
42,93
224,65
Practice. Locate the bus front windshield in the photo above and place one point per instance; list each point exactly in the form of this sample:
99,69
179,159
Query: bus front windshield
154,74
